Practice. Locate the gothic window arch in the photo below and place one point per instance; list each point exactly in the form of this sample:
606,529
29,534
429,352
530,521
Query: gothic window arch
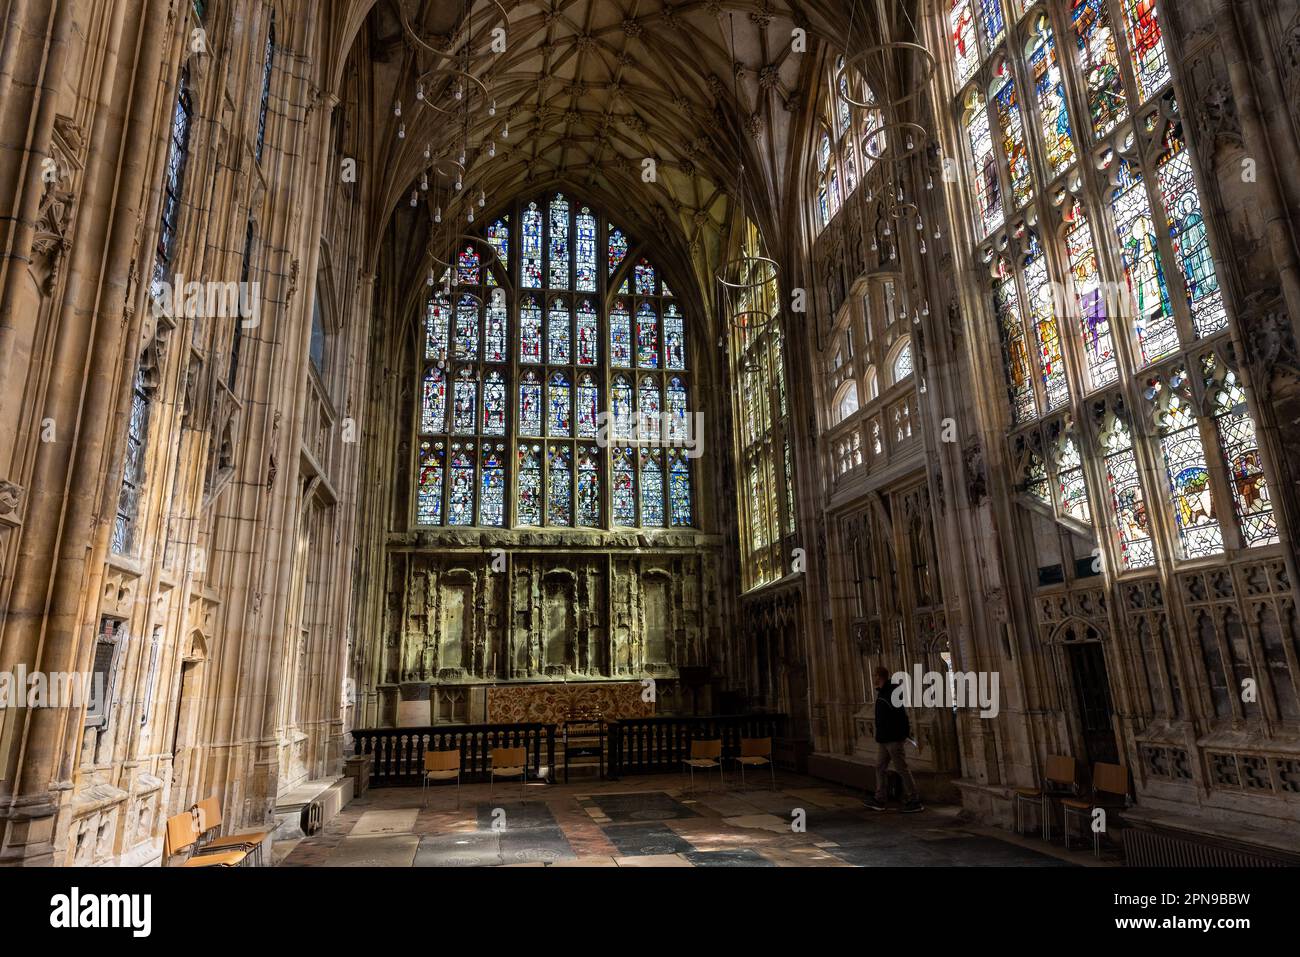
762,409
900,361
849,140
1081,179
554,392
846,401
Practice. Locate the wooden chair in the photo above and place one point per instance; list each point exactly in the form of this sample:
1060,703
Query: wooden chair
441,766
182,833
1060,780
509,763
1109,781
755,752
209,822
705,754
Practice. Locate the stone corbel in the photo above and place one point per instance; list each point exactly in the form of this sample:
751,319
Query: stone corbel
11,497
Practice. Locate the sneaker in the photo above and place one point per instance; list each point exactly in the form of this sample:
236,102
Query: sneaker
913,806
875,805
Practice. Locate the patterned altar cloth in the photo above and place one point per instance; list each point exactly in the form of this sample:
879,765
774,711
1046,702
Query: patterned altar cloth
550,703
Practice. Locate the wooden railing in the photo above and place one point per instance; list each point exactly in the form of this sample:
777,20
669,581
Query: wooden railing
650,745
397,754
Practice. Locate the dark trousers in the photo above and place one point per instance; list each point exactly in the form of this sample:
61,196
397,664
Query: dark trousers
887,753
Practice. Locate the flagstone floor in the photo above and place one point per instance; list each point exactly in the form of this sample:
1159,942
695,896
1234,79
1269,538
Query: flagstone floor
652,821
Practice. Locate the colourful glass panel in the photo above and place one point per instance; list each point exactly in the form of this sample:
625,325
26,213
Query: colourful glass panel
559,243
492,487
1099,61
1049,86
428,508
588,334
530,266
559,486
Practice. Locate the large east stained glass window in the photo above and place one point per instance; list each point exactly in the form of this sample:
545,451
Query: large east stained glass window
524,418
1102,280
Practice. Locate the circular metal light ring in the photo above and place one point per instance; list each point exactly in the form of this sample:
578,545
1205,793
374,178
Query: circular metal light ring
475,81
896,148
732,273
446,166
928,67
753,320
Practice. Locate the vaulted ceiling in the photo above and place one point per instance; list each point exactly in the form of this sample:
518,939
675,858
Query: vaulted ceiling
586,92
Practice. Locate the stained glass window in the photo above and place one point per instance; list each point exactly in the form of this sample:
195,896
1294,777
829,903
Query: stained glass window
620,336
678,416
648,409
1015,356
1239,446
433,415
498,236
1191,241
530,485
1186,468
961,31
495,342
1152,277
647,337
530,405
992,26
557,333
467,267
467,329
588,334
464,402
652,488
559,248
429,494
559,484
1098,344
588,412
617,249
624,486
530,330
435,329
621,407
531,249
460,497
559,403
987,186
494,404
547,388
1132,521
1070,480
1099,62
586,259
645,279
1049,85
492,494
1145,45
1011,127
1042,316
674,338
679,488
1149,303
589,487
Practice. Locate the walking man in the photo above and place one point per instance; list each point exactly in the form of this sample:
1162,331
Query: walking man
892,730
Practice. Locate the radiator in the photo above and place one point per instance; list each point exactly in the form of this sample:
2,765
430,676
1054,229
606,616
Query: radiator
1144,847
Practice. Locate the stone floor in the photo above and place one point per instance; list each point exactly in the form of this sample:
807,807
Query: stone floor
653,821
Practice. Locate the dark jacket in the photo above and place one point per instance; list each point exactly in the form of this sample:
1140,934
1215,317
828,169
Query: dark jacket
891,720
